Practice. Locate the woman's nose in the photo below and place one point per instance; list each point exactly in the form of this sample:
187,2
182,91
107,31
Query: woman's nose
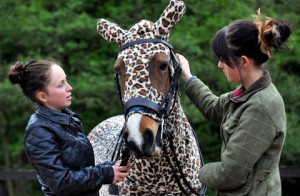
69,87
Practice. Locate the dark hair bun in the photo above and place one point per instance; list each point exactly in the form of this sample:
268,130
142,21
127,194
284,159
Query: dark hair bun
284,29
279,35
16,72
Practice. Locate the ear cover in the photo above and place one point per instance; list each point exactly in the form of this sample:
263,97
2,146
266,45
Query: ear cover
168,19
144,29
110,31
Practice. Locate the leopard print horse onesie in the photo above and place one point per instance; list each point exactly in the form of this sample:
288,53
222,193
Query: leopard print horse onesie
145,71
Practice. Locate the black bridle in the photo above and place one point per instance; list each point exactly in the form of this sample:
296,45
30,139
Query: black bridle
162,109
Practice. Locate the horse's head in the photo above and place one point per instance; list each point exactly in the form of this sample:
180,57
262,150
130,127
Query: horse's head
145,70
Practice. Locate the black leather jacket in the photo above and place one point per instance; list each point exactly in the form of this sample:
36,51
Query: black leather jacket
62,155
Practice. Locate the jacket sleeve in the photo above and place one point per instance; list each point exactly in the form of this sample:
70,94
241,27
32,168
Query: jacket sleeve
250,138
210,105
44,154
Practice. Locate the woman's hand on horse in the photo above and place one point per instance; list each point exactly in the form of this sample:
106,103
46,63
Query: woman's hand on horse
186,72
120,172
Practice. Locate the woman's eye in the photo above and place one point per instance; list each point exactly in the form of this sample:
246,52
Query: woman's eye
61,83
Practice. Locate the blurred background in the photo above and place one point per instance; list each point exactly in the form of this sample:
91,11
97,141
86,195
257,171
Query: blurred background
65,30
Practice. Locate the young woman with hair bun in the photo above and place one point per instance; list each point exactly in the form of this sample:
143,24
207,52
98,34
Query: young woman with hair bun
55,142
252,117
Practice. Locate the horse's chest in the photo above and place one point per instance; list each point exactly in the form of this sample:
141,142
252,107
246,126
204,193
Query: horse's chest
150,178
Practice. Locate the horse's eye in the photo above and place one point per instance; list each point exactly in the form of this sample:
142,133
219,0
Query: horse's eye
163,66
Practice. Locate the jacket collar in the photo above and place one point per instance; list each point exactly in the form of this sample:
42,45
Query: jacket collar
260,84
63,117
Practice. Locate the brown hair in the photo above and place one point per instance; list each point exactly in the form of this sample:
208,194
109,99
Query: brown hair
271,33
252,39
32,77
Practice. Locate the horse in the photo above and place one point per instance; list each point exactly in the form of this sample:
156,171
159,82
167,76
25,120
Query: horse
153,132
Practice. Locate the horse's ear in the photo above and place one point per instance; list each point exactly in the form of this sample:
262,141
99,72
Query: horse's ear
111,31
168,19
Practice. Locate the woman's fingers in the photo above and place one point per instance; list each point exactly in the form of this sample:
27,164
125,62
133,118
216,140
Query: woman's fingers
120,172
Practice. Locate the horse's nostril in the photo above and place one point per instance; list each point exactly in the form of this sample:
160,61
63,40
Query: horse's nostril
148,146
132,146
148,136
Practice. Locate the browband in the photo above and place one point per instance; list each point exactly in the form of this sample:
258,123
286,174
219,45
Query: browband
141,41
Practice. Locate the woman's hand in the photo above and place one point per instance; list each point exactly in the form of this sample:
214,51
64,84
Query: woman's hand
120,172
186,72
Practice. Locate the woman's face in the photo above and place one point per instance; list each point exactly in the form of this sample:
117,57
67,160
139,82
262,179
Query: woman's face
232,74
58,95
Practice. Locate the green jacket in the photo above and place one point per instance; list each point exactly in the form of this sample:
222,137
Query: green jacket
253,129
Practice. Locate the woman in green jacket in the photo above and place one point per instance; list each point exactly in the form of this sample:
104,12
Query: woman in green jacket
252,117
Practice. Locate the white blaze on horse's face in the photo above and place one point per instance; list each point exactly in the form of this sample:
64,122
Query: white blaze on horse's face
133,124
145,72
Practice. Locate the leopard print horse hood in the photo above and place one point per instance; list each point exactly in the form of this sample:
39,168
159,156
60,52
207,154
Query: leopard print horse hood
137,57
143,29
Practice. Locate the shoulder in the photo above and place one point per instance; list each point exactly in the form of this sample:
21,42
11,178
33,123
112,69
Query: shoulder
269,98
268,105
39,129
36,121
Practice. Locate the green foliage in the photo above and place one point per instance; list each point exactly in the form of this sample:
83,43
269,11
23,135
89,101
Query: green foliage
94,98
290,155
66,31
15,110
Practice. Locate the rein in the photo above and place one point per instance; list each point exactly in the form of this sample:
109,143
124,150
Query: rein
163,110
